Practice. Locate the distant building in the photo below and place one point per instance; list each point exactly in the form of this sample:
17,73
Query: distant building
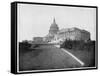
38,39
68,33
52,32
53,28
72,34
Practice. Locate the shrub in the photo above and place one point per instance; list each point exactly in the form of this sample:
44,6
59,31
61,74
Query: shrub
78,45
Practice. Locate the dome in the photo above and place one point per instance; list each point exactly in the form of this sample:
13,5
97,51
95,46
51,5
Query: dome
54,26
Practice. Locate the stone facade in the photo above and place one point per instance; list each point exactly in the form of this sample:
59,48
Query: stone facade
72,34
68,33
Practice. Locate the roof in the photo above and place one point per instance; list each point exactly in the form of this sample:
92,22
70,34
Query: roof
69,29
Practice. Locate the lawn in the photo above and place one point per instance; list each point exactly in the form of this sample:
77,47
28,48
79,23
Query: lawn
45,57
85,51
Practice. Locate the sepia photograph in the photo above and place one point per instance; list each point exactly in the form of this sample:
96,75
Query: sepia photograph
56,37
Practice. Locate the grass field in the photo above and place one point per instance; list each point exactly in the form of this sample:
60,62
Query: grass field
42,57
82,50
45,57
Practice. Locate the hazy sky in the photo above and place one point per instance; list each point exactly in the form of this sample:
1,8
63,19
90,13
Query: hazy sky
35,20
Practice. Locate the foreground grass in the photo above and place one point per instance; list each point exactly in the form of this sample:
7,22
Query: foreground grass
85,51
45,57
49,57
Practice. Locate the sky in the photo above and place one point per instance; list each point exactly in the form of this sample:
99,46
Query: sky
35,20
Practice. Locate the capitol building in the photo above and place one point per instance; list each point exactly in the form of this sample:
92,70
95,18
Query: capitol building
56,34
